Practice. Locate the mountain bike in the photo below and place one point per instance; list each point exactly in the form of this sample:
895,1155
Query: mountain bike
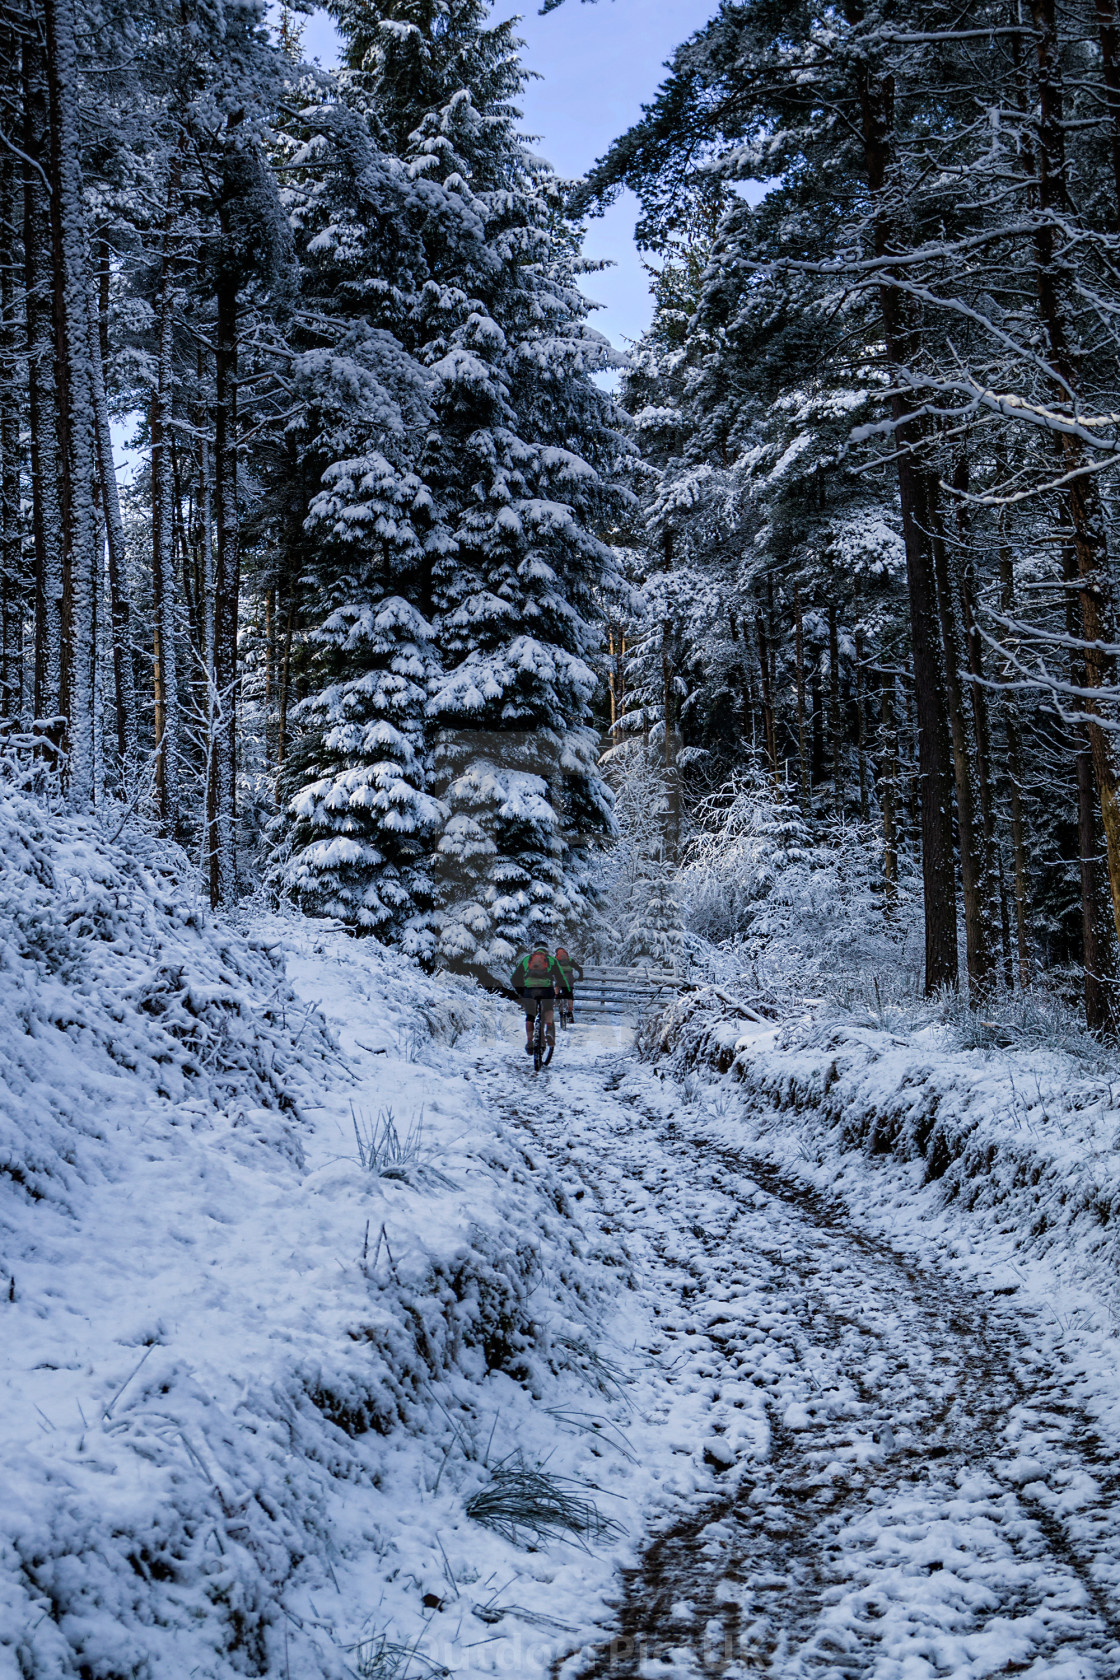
542,1052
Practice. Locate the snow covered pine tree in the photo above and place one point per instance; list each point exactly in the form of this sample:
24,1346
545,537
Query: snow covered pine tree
522,461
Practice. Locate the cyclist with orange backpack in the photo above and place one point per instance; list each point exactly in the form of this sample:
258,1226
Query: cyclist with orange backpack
538,979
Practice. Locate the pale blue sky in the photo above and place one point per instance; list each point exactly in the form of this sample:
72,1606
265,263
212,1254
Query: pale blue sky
598,64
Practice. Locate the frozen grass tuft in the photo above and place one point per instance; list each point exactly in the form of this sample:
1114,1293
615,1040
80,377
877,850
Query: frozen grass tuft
519,1501
383,1152
603,1373
1037,1019
385,1659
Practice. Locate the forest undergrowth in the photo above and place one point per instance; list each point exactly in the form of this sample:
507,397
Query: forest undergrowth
284,1303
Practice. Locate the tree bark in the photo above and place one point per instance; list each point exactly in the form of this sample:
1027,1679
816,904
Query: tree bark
835,722
124,681
888,788
1098,610
876,98
767,694
164,581
669,751
978,950
43,406
1015,788
1108,34
803,778
11,544
221,813
964,569
71,274
861,740
1097,948
285,679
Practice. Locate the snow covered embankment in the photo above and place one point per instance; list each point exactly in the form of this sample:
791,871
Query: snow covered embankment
275,1302
1024,1139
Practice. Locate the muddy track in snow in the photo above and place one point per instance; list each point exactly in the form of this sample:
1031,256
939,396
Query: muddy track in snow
932,1500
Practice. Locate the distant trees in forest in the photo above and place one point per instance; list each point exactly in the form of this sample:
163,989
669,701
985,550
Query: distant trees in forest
346,613
881,406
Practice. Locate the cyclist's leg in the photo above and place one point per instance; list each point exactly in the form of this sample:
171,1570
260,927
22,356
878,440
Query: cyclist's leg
549,1022
530,1015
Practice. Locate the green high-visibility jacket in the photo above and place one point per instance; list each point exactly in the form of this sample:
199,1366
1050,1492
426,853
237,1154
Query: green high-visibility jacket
525,982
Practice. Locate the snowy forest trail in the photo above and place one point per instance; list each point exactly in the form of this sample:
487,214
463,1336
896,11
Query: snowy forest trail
896,1476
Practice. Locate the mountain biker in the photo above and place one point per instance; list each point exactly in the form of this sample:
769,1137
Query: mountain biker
537,977
570,973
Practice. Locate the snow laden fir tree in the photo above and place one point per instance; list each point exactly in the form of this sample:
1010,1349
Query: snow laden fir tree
445,790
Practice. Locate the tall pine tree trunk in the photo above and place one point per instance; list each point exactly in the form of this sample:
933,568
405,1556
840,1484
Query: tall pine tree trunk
72,278
876,97
767,694
164,584
1098,610
1014,762
11,546
221,812
888,788
42,403
978,950
1098,948
992,895
1108,35
861,725
803,781
1097,945
672,831
836,727
285,680
124,681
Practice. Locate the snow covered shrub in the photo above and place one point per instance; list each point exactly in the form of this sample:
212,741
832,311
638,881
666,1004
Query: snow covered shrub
793,908
110,970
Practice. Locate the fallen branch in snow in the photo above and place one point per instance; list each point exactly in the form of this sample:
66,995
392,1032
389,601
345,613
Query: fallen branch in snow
734,1003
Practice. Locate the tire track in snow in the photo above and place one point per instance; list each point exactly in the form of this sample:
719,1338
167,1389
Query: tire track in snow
932,1500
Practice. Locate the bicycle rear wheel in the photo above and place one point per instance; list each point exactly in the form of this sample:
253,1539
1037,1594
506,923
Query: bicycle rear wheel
538,1039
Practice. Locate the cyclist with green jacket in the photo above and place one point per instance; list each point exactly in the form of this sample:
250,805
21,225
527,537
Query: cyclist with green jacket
571,972
538,978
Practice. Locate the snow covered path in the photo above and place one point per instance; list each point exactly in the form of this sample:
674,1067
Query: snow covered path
866,1468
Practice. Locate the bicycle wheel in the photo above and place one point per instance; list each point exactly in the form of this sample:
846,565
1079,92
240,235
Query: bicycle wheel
538,1039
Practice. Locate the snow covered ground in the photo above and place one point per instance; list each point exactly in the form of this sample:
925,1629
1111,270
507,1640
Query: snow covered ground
339,1344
